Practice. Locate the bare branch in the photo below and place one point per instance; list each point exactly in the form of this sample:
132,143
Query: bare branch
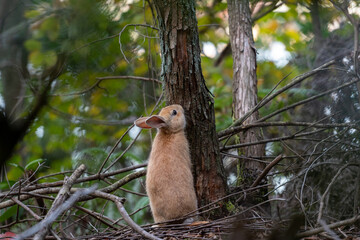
331,226
37,217
328,230
322,200
81,180
45,223
231,131
309,99
266,170
124,214
293,136
100,217
100,79
134,140
114,147
63,194
50,190
295,81
130,77
356,24
130,25
269,9
77,119
124,180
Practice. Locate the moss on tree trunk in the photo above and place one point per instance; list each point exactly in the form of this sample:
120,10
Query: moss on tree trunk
245,84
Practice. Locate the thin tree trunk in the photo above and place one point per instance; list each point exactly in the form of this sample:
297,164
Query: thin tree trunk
184,84
245,82
316,24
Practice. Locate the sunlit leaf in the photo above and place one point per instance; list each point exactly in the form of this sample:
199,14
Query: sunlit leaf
33,45
35,162
17,166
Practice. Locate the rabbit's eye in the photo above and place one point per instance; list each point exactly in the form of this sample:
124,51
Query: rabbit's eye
174,112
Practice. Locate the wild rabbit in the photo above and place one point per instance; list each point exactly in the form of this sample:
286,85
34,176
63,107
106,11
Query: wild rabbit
169,181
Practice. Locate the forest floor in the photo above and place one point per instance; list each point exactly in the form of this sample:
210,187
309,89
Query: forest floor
237,228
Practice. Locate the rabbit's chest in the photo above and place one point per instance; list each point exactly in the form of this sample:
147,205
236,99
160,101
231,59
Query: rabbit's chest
161,174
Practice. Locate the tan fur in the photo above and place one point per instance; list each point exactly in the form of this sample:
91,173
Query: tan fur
169,181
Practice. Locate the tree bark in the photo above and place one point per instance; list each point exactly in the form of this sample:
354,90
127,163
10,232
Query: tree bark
184,84
245,82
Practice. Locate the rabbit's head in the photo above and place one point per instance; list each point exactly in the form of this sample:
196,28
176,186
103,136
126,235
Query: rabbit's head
171,119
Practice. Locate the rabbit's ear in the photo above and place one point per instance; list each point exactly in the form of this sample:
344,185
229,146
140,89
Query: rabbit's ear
156,121
141,123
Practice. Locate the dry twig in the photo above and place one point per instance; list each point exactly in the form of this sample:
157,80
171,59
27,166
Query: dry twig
330,226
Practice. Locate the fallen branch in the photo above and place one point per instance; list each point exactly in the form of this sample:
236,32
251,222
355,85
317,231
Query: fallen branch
266,170
100,217
63,194
330,226
118,202
328,230
50,190
37,217
60,183
46,222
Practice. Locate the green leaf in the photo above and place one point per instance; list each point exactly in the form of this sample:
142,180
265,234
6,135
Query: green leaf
133,157
4,185
36,161
8,213
32,13
51,27
32,45
36,58
17,166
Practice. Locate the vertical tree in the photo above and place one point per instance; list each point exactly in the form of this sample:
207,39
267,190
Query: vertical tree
184,84
245,81
12,68
17,115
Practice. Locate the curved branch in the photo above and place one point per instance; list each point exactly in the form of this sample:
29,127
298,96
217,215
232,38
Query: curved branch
295,81
100,79
124,214
128,25
72,118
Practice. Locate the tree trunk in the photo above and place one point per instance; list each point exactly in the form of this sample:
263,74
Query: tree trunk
184,84
12,67
316,25
245,83
14,57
